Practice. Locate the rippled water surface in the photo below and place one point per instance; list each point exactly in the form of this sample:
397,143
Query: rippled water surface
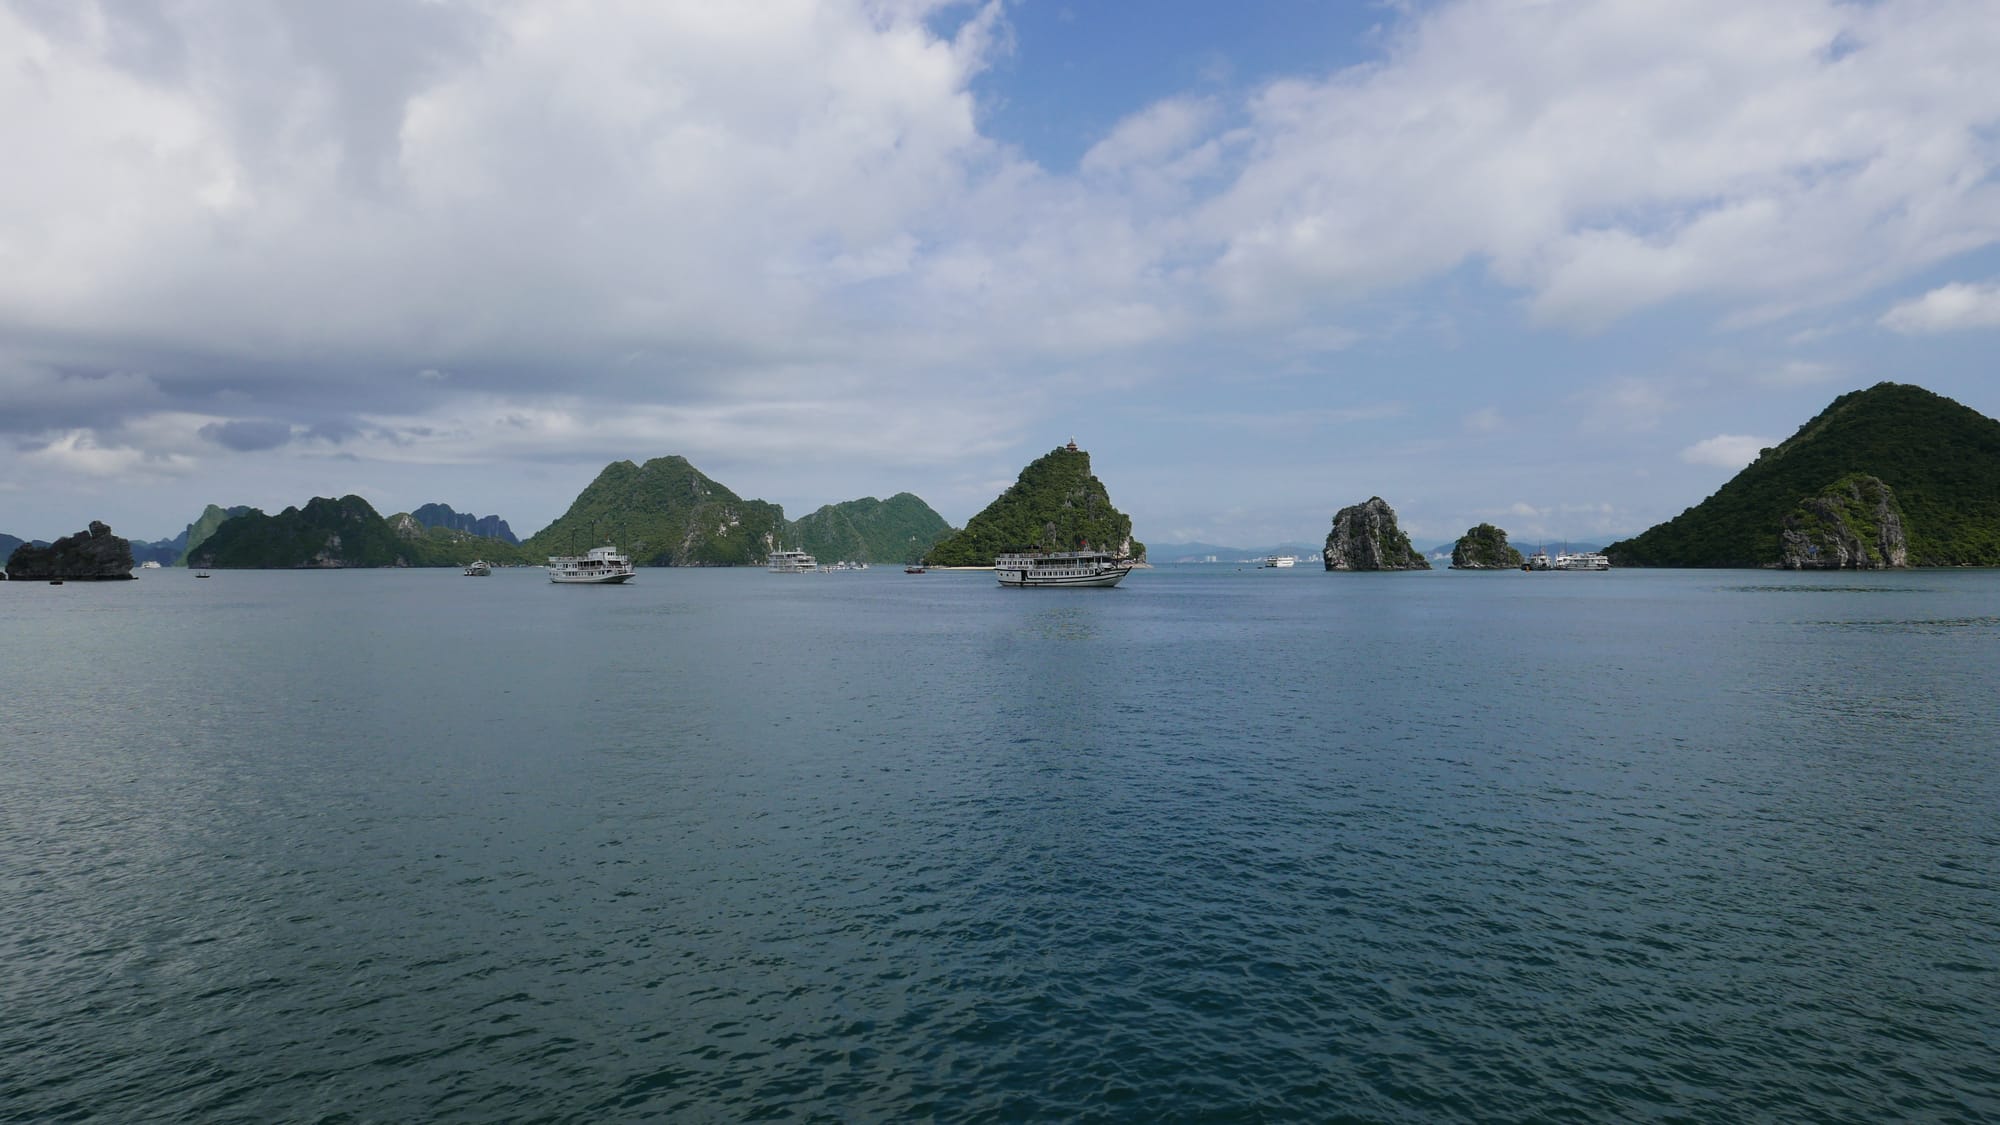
1219,844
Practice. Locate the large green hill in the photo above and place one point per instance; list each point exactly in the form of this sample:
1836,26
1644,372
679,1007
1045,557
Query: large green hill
899,529
347,532
1941,459
1056,504
333,534
663,513
205,525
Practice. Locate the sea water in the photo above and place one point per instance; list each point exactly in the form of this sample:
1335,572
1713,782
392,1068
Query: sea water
1218,844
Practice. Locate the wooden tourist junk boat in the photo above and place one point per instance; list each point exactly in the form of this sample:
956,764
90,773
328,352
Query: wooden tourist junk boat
1061,568
603,566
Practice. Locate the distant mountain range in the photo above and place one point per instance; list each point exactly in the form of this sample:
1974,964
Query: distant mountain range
9,542
442,515
663,513
666,512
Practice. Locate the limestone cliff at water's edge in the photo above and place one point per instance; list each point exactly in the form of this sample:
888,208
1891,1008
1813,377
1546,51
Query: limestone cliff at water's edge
1365,537
1856,524
89,556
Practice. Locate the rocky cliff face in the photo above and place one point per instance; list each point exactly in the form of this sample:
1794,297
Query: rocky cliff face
1856,524
1365,537
1484,548
205,526
91,555
442,515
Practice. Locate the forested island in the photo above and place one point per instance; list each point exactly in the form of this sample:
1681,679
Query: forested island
1890,476
1893,475
1056,504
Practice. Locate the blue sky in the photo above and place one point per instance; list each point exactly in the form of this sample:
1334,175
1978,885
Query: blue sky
1560,266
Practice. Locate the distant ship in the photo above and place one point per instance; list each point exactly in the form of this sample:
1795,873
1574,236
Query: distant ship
478,568
1281,561
1060,568
1582,560
603,566
149,564
791,562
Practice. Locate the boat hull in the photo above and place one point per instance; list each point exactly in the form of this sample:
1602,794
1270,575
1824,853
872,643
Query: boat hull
1081,581
589,579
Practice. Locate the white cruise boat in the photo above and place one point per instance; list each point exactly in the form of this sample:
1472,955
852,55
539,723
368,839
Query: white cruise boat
1540,560
478,568
601,567
1060,568
1281,561
149,564
791,562
1582,560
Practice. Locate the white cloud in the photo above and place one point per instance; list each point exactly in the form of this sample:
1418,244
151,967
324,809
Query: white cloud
1947,308
80,452
1726,451
1609,157
530,230
1157,137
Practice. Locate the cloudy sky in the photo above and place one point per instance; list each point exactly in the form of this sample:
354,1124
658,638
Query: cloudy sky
1564,266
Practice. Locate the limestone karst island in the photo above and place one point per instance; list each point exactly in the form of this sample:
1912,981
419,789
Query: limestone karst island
1890,476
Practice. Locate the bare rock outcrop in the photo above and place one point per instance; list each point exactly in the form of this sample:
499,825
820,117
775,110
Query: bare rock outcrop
1365,537
1856,524
92,555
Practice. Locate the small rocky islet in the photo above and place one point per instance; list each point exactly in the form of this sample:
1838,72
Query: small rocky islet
1365,536
1484,547
91,555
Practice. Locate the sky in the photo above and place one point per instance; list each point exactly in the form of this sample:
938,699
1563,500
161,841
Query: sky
1559,266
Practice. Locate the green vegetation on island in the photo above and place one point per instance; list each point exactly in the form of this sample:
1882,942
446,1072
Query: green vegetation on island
1484,548
1939,461
899,529
1056,505
663,513
325,534
205,525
